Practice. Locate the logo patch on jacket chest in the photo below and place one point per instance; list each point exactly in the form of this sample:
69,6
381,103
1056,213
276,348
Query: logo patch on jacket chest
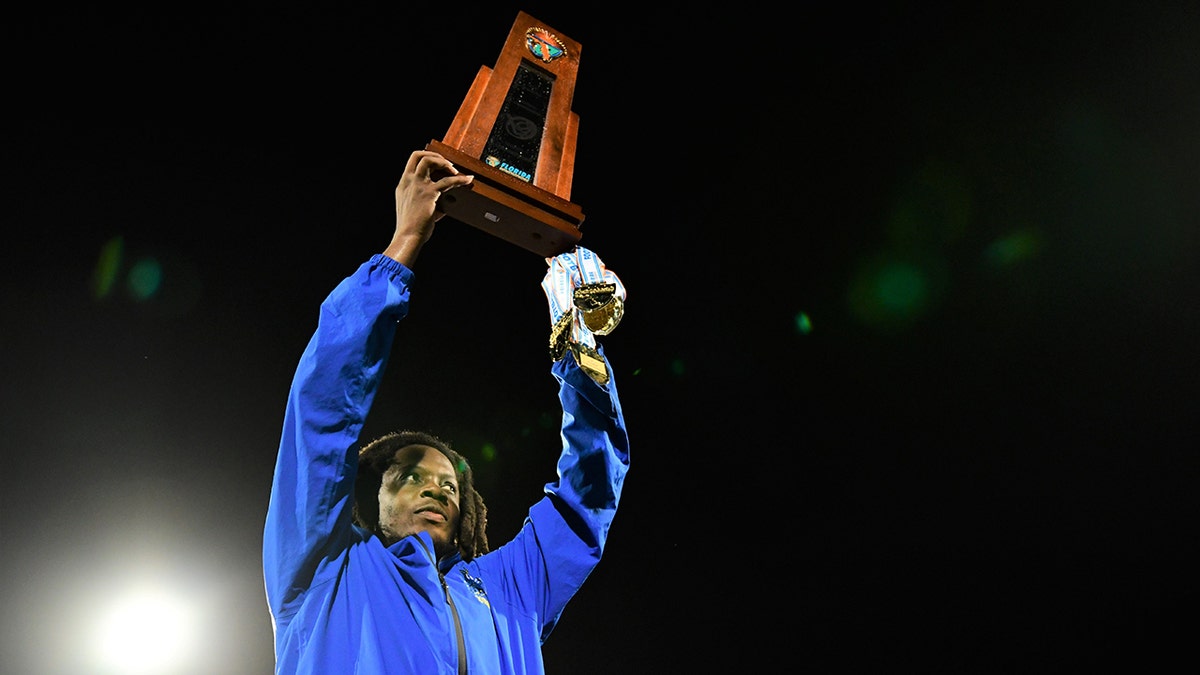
477,588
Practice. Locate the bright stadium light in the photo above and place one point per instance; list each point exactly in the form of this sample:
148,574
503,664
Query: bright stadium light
145,630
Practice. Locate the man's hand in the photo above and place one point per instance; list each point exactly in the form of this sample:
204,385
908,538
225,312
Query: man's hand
586,299
426,176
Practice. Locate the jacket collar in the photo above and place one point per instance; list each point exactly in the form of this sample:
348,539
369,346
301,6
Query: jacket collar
417,549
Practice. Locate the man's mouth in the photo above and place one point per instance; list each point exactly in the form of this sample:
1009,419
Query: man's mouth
431,514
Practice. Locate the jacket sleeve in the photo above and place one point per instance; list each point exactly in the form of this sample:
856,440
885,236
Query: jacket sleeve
565,533
312,494
595,452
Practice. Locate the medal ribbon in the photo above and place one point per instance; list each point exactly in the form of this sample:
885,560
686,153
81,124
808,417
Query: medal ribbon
585,299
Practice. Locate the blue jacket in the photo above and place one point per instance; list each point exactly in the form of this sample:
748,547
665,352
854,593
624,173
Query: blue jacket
340,601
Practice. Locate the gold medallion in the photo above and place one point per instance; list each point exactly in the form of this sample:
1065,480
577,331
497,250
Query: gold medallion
590,362
560,335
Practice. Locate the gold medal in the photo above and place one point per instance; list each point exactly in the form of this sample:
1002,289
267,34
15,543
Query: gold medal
560,336
590,362
602,321
590,297
600,306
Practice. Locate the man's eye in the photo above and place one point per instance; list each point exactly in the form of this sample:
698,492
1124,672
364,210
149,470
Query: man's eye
450,487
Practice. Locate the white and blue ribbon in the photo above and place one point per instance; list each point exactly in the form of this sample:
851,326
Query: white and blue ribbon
575,269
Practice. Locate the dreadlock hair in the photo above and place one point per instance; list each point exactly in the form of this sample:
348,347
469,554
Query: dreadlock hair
373,461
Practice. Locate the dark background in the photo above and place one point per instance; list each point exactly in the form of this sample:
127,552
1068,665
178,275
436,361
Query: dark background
909,360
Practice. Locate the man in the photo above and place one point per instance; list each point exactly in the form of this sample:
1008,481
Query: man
377,561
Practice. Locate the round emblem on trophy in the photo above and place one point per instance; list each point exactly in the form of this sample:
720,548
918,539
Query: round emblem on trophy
521,128
544,45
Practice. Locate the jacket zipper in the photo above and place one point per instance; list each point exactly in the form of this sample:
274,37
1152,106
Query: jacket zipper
462,647
458,632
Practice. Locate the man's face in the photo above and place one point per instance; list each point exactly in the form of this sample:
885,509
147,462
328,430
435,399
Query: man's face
419,492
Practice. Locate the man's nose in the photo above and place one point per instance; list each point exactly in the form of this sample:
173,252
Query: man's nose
435,491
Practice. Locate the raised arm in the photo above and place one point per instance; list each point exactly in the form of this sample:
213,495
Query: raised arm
565,534
309,516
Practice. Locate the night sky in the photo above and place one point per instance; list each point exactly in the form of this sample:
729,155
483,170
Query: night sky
909,359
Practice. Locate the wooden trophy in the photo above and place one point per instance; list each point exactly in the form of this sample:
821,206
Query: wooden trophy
515,132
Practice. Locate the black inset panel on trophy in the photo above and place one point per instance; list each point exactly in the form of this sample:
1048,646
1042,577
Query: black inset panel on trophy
516,137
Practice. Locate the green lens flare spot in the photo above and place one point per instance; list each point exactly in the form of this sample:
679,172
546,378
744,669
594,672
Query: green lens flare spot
145,278
891,292
901,288
803,324
104,277
1013,248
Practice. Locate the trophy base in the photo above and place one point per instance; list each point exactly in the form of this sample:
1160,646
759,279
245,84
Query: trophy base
509,208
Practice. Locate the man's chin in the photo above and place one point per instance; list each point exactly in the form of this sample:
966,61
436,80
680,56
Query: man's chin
443,541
